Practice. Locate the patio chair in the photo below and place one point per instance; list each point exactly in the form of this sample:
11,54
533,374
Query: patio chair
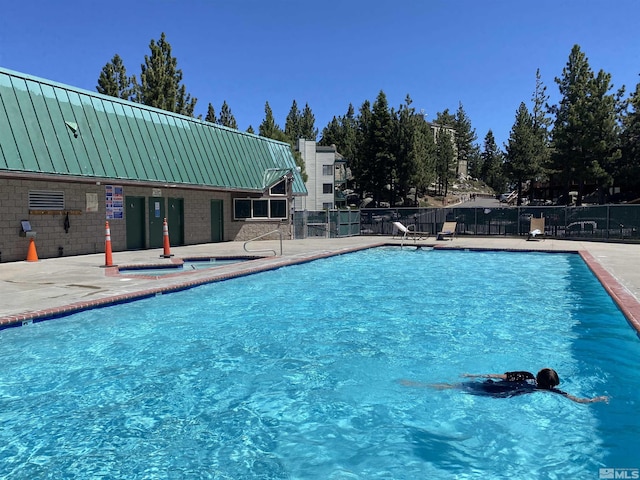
409,232
448,230
536,228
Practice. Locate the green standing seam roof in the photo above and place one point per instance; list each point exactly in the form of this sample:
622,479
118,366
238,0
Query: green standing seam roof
50,128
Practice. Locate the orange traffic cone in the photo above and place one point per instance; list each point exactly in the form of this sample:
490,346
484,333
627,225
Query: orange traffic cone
32,255
108,256
165,234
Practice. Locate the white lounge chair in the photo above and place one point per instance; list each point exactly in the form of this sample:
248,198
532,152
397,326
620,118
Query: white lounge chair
409,232
536,228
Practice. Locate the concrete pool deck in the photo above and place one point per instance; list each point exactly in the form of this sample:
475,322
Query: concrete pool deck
32,291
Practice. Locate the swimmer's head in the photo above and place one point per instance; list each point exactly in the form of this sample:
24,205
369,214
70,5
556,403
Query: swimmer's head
547,378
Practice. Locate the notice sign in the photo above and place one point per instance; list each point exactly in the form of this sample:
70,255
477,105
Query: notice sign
92,202
114,201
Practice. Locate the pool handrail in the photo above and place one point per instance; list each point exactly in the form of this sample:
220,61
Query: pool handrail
266,250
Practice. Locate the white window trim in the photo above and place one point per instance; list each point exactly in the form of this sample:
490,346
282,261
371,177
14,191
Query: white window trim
278,198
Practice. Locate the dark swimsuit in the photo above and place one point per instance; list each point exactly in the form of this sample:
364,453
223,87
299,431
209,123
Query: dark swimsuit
516,383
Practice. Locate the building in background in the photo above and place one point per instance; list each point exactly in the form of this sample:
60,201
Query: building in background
326,177
72,159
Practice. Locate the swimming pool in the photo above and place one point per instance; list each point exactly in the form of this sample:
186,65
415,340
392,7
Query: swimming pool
297,373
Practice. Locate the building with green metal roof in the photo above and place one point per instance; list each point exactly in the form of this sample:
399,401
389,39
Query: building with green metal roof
71,159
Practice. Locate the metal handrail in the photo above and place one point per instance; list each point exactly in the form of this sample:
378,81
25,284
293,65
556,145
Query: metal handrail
261,236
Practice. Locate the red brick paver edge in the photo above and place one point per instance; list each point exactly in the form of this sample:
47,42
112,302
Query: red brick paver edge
626,302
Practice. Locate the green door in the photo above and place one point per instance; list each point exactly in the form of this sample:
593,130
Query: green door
175,219
134,217
217,221
156,219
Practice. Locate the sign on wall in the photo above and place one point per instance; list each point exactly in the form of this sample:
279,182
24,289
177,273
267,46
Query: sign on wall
114,201
92,202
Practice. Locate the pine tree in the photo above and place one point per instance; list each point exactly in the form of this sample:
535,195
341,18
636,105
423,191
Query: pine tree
268,128
226,117
541,149
251,130
629,172
380,140
160,81
465,139
113,80
445,155
521,148
292,123
361,165
342,133
445,119
307,124
415,151
492,169
211,114
585,131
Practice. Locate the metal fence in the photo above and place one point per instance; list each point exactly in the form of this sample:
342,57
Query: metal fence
602,222
326,223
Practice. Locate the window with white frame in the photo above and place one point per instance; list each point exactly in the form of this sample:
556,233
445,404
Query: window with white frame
259,208
327,170
279,188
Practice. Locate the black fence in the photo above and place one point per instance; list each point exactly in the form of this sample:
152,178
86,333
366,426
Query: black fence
602,222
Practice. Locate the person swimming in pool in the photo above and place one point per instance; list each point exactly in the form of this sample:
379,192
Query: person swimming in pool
511,384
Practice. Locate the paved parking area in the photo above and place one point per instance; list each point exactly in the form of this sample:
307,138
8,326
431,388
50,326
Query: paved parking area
58,286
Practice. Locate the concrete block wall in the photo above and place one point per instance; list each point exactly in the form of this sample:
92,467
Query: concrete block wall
86,234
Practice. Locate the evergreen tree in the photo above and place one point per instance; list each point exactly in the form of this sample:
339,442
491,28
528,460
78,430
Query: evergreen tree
445,119
300,124
629,172
292,123
160,81
380,141
342,132
465,141
475,162
226,117
307,124
113,80
415,151
268,128
521,148
423,153
541,149
361,165
445,155
251,130
584,133
211,114
492,169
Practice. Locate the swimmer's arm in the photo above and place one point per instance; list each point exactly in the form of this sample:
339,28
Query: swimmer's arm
501,376
603,398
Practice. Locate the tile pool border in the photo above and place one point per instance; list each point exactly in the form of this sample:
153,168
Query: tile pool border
626,302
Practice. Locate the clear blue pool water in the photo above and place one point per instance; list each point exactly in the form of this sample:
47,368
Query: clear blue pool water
297,373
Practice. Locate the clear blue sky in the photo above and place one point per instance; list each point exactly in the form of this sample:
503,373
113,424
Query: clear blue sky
483,53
